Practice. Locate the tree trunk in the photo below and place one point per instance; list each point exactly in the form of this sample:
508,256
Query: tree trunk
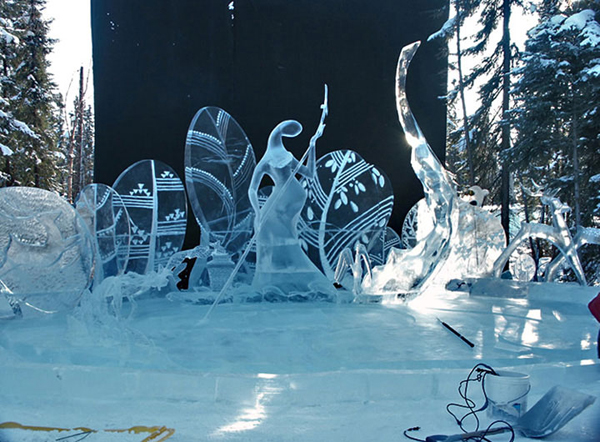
576,191
505,143
461,87
80,142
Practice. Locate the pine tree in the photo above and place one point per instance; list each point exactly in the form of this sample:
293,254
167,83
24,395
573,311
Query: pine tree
558,92
468,153
494,72
34,102
10,127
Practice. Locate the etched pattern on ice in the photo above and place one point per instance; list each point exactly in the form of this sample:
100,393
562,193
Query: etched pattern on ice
155,200
219,161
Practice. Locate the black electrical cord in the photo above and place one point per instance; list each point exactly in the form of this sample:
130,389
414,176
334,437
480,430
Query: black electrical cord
405,432
477,374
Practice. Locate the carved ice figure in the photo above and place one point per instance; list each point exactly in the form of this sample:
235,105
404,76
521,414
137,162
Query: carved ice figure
128,286
349,200
156,203
558,234
280,261
477,241
219,162
584,235
409,271
46,250
105,214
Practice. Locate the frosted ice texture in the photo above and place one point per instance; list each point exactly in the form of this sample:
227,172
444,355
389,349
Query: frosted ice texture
105,214
219,162
46,249
155,200
409,271
558,234
280,260
349,200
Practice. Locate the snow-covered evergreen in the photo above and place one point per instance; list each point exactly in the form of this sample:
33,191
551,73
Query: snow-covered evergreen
28,109
557,118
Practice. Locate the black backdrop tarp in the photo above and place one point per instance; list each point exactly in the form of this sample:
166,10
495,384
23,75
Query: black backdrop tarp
157,62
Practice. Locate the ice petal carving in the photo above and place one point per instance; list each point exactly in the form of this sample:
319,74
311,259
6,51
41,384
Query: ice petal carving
46,250
155,200
219,162
350,200
105,214
410,271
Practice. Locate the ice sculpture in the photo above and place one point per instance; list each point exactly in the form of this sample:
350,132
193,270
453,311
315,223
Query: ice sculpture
155,200
349,200
46,249
112,291
105,214
280,260
408,272
355,264
275,223
584,235
476,242
219,161
558,234
379,248
417,224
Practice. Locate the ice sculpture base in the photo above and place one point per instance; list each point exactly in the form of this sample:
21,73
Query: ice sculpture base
338,372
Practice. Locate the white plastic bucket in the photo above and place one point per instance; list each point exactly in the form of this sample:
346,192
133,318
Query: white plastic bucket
507,394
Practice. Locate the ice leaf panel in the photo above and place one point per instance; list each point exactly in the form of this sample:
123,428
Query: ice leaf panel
219,162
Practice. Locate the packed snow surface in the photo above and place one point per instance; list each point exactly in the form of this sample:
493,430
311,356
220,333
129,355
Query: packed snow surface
311,371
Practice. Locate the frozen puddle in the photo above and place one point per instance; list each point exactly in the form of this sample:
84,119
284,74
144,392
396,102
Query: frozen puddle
291,372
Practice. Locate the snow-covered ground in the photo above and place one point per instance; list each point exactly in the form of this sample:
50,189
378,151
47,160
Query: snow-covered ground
311,371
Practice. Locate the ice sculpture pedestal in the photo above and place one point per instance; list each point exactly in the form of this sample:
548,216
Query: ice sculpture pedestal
330,372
